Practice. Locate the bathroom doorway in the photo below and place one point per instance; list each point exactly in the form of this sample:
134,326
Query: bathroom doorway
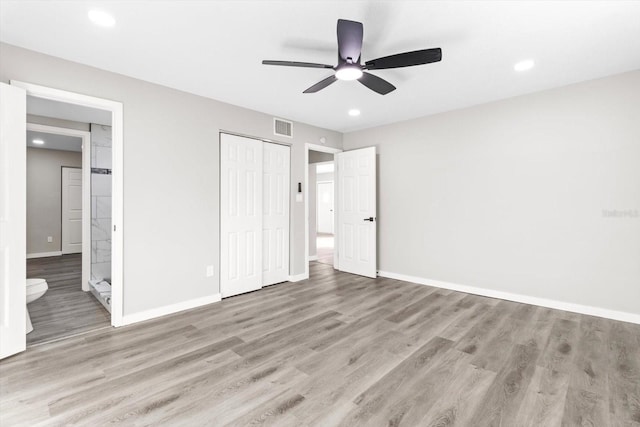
63,222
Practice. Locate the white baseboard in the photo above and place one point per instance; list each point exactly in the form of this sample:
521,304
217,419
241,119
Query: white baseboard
543,302
313,257
128,319
298,277
44,254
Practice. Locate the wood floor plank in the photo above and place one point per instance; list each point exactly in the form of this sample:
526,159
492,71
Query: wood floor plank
544,400
380,396
492,356
420,394
336,349
501,403
624,374
485,328
585,403
65,309
459,399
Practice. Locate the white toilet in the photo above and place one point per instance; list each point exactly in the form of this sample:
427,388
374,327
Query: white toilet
35,289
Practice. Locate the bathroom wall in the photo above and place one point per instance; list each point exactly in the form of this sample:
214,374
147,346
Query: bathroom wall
44,197
100,202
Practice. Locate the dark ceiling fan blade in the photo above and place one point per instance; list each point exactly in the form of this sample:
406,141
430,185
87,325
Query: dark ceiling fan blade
407,59
376,84
349,40
321,84
297,64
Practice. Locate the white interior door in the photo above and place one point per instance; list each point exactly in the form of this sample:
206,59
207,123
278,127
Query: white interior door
357,211
71,210
324,205
240,214
13,228
275,226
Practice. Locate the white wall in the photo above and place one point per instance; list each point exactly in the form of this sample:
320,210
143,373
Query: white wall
44,197
171,174
511,196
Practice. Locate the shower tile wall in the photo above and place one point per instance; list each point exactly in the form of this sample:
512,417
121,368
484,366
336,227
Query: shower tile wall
100,202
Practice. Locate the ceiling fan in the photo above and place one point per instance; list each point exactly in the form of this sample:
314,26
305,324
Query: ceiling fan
349,67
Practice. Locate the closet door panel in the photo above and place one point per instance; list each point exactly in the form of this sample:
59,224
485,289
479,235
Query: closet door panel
275,227
240,214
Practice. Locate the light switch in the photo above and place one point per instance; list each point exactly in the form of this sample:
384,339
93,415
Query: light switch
49,239
209,270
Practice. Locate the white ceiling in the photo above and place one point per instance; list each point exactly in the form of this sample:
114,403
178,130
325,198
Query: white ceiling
54,142
214,49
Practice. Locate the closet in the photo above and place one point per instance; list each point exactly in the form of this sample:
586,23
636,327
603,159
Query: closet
254,214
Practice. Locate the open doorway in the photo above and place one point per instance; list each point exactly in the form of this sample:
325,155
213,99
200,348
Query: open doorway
321,215
320,188
68,219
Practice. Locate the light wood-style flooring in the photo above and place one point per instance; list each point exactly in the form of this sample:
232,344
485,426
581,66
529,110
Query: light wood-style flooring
341,350
65,309
324,247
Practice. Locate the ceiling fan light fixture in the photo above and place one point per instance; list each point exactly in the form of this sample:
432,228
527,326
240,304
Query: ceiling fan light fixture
349,72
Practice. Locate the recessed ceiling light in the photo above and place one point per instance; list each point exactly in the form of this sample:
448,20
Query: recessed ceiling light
38,141
102,18
525,65
354,112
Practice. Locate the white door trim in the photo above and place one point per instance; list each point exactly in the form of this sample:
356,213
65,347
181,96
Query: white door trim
86,193
323,149
13,220
117,130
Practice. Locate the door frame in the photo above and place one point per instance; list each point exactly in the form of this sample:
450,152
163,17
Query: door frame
86,191
324,149
117,134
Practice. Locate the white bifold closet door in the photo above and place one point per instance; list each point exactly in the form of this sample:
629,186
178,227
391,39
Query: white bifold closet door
275,214
254,214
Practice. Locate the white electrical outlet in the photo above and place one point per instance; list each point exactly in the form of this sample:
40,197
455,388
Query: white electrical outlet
49,239
209,270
